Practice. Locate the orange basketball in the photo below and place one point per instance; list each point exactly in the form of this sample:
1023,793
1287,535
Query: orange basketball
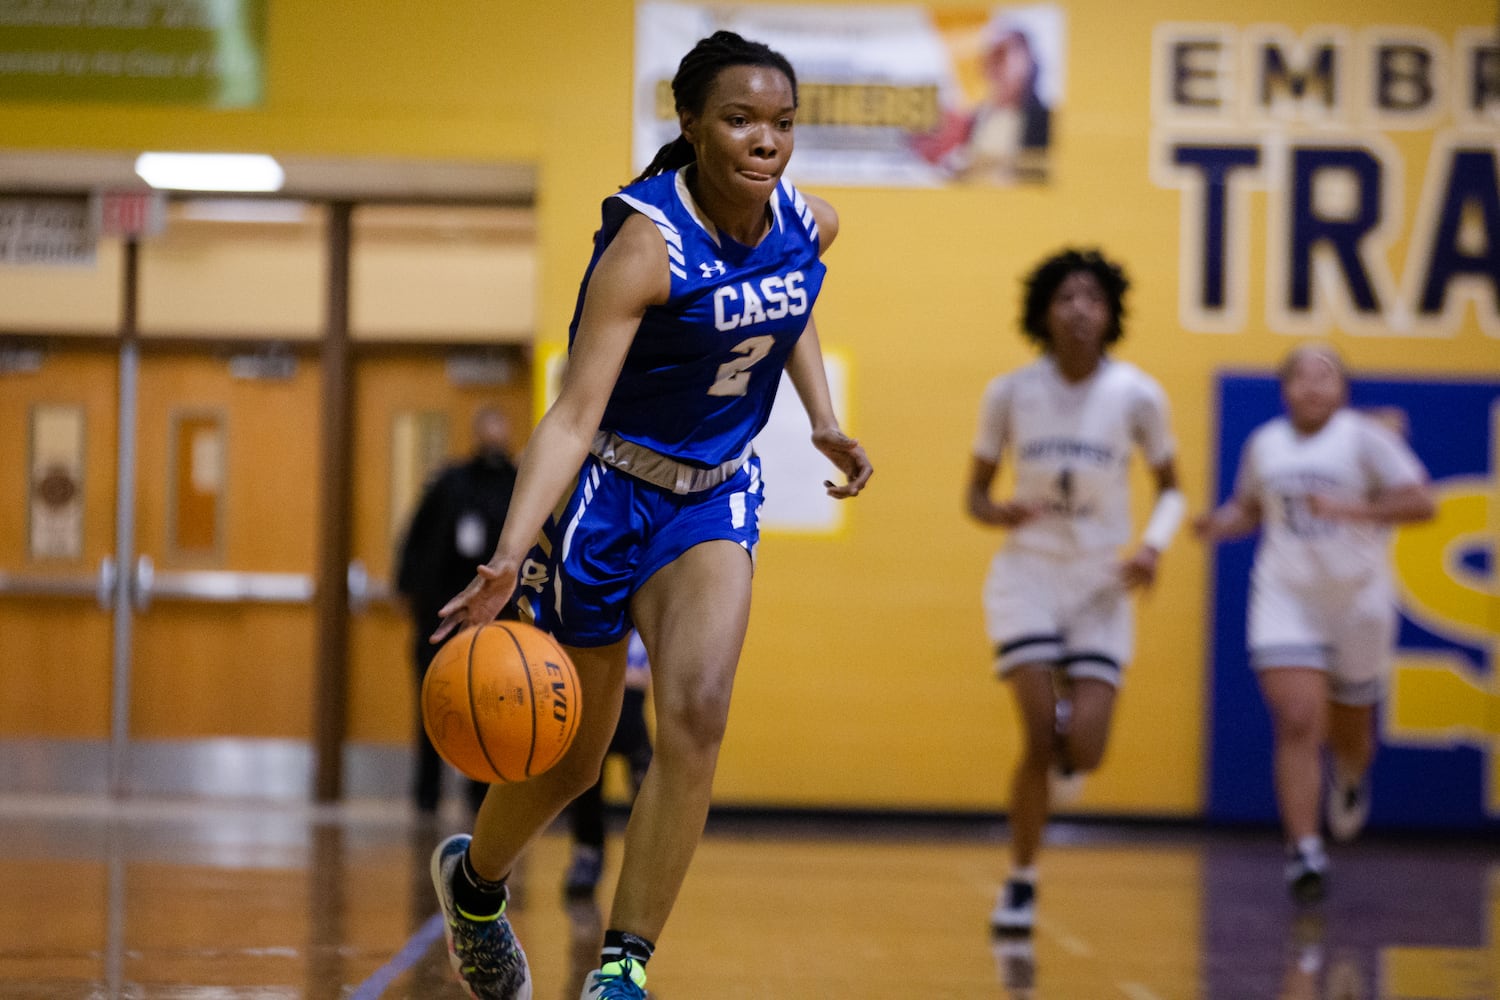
501,702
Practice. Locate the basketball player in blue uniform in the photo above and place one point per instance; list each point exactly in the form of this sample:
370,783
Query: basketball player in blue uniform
641,492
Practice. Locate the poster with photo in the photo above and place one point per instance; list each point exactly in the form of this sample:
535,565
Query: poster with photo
899,96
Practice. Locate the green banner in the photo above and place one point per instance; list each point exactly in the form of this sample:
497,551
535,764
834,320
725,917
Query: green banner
203,52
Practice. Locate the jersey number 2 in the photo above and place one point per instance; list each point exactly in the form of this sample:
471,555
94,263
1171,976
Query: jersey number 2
733,377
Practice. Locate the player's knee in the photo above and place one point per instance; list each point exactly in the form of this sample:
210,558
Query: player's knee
576,773
1299,723
693,719
1086,755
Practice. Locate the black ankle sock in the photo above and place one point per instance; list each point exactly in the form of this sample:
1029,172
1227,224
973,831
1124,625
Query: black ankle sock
477,897
619,945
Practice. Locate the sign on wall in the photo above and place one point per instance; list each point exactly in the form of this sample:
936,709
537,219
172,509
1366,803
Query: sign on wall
1332,124
55,511
890,95
204,52
47,232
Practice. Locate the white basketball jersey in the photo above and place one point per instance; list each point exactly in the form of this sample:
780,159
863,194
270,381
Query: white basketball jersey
1071,446
1352,457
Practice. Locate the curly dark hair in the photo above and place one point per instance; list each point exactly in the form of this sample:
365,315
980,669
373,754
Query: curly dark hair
1044,280
696,74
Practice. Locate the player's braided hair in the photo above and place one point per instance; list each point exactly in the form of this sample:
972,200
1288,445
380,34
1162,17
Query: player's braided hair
695,76
1042,283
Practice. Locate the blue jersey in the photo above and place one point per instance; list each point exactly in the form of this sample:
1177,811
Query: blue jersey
702,372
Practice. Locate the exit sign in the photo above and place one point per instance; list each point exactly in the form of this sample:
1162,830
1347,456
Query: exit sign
130,213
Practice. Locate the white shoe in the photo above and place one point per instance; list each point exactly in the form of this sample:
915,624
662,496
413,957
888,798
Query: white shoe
1348,807
1064,787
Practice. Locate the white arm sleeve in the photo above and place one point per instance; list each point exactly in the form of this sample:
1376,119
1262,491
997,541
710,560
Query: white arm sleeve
1166,517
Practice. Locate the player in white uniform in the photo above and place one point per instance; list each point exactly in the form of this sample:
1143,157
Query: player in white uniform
1056,598
1324,484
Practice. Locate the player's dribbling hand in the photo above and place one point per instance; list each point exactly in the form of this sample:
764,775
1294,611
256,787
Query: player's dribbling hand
846,453
478,603
1140,569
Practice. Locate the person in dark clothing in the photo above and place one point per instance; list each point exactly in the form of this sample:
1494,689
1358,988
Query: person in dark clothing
631,742
455,527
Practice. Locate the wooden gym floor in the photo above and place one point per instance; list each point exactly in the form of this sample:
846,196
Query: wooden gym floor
192,901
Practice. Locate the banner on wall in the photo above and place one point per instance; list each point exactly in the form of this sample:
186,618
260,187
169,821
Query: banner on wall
204,52
1438,765
888,96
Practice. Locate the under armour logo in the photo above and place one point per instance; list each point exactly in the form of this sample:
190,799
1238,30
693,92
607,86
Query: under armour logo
714,270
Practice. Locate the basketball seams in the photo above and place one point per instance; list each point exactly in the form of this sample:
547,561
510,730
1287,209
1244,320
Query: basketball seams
474,707
530,690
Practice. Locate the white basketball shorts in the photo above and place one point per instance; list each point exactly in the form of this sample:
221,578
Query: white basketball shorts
1067,612
1347,632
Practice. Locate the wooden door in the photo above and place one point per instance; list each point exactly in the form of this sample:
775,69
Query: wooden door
228,490
55,635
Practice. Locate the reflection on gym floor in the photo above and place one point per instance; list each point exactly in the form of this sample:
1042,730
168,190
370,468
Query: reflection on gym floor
191,901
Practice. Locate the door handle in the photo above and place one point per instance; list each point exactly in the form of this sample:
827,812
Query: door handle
218,586
142,582
109,578
359,585
100,586
365,589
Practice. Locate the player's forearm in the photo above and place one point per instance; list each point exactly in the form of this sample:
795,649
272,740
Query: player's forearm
1403,506
805,369
1234,519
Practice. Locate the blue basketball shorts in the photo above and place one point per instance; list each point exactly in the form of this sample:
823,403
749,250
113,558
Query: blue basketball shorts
612,533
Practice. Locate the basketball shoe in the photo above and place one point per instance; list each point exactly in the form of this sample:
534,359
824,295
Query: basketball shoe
1348,807
1307,873
622,980
583,873
1015,910
485,953
1064,785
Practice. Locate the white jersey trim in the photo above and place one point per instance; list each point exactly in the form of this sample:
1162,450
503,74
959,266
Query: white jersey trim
676,262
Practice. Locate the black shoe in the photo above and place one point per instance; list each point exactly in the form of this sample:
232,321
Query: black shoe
583,873
1015,910
1307,876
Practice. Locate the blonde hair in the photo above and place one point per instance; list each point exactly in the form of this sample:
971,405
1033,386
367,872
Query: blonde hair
1321,352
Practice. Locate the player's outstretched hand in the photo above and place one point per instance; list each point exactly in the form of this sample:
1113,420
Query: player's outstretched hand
846,453
1140,569
478,603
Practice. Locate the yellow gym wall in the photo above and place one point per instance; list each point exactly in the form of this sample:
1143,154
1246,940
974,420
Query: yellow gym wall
866,678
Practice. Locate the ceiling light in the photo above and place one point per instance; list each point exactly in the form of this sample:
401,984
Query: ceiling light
210,171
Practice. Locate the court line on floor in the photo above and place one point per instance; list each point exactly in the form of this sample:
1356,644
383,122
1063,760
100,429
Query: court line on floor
1135,991
1068,941
410,954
